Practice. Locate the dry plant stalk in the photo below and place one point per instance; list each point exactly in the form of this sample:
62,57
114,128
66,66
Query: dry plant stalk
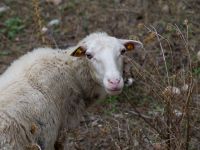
39,21
173,129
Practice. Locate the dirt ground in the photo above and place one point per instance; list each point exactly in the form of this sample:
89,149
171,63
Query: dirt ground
111,124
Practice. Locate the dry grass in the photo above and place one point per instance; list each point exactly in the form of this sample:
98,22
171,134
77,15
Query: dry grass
173,89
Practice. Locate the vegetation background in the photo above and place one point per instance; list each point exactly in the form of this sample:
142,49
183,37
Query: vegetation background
161,110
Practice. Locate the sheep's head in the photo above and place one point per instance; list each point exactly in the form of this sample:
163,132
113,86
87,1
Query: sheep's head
105,56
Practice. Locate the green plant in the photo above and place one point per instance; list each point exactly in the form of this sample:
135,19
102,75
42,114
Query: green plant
111,102
5,53
12,27
196,71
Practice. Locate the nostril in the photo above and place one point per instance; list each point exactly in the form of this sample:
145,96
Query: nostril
110,81
117,81
114,81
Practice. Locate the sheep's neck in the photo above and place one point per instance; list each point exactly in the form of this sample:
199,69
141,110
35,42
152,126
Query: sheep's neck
88,85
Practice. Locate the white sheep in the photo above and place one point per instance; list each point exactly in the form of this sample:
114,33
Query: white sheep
46,91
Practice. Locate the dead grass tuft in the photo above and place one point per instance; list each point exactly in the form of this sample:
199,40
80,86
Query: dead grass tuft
173,88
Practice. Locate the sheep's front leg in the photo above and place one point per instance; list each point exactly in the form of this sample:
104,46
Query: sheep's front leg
60,142
74,111
59,145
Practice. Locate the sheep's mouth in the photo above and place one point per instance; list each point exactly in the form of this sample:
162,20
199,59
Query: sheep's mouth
114,91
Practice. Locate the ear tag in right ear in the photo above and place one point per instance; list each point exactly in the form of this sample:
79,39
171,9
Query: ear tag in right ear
78,52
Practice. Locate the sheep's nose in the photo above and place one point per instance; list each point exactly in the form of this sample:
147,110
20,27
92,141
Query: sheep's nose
114,81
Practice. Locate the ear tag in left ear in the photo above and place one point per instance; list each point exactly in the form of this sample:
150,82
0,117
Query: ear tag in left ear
129,46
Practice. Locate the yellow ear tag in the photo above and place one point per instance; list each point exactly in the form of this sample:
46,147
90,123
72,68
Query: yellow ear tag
78,52
130,46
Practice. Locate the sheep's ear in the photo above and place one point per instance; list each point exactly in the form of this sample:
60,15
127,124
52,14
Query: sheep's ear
79,52
131,44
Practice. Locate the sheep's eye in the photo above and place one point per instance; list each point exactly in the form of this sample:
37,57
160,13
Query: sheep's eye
123,51
89,56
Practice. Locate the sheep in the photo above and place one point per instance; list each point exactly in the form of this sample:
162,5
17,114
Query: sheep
45,91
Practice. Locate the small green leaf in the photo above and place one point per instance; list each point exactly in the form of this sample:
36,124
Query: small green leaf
5,53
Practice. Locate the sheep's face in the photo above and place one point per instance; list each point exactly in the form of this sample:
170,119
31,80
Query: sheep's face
105,56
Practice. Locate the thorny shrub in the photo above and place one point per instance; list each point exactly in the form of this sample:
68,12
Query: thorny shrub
168,78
